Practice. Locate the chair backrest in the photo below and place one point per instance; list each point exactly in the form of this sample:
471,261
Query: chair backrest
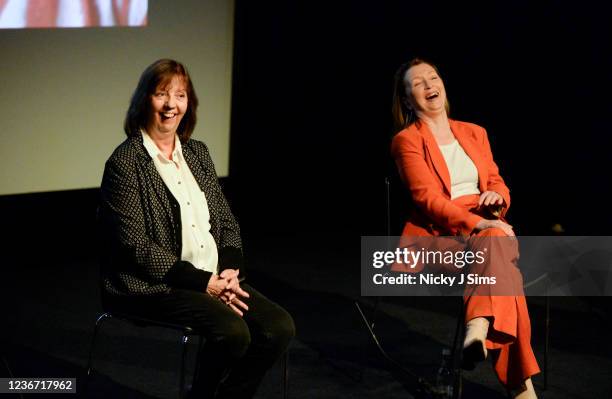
103,254
399,204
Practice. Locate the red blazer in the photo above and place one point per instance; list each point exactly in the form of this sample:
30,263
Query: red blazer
424,171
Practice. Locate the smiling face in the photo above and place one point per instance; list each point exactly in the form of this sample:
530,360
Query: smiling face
425,90
168,106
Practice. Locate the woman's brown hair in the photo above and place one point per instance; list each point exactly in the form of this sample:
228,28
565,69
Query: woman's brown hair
159,73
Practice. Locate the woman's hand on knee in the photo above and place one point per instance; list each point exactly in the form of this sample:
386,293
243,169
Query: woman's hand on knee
233,293
231,275
234,302
495,224
490,198
216,285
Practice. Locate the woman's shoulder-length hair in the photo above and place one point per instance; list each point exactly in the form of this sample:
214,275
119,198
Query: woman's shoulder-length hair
160,73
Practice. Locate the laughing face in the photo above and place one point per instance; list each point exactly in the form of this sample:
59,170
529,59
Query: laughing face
168,106
425,90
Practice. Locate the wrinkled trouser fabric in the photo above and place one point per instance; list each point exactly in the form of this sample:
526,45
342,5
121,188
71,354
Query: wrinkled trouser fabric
509,337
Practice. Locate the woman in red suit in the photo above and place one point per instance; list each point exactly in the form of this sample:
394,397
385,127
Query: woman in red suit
454,182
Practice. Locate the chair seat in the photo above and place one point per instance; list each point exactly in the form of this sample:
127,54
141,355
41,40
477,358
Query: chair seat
144,322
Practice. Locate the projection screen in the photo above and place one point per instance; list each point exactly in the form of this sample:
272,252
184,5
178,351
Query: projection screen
64,92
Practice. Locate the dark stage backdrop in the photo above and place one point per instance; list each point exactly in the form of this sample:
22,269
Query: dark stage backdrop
311,121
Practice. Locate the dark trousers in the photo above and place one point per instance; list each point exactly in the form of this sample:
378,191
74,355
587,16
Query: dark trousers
238,350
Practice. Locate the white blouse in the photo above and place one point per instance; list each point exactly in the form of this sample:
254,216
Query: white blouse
199,246
463,172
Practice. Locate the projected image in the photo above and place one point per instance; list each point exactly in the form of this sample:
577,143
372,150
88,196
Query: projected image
16,14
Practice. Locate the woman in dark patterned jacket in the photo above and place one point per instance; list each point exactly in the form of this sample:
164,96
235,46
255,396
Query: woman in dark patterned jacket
172,246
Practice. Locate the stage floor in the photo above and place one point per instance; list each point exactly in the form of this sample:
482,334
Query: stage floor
53,306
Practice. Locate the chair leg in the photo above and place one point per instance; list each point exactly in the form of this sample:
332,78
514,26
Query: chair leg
184,342
457,353
99,321
546,337
285,372
9,371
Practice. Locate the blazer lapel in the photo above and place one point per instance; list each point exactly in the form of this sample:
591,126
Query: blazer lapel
201,174
159,187
436,156
469,145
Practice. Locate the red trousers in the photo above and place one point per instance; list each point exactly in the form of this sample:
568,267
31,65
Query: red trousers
509,336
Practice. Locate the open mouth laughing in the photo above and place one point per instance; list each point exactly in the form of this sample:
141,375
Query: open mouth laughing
432,96
167,115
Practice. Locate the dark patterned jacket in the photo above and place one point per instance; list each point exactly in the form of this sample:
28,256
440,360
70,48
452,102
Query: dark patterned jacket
141,223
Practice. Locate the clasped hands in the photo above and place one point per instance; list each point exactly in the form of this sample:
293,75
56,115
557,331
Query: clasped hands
491,198
226,287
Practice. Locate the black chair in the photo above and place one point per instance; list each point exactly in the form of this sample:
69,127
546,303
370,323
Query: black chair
186,333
